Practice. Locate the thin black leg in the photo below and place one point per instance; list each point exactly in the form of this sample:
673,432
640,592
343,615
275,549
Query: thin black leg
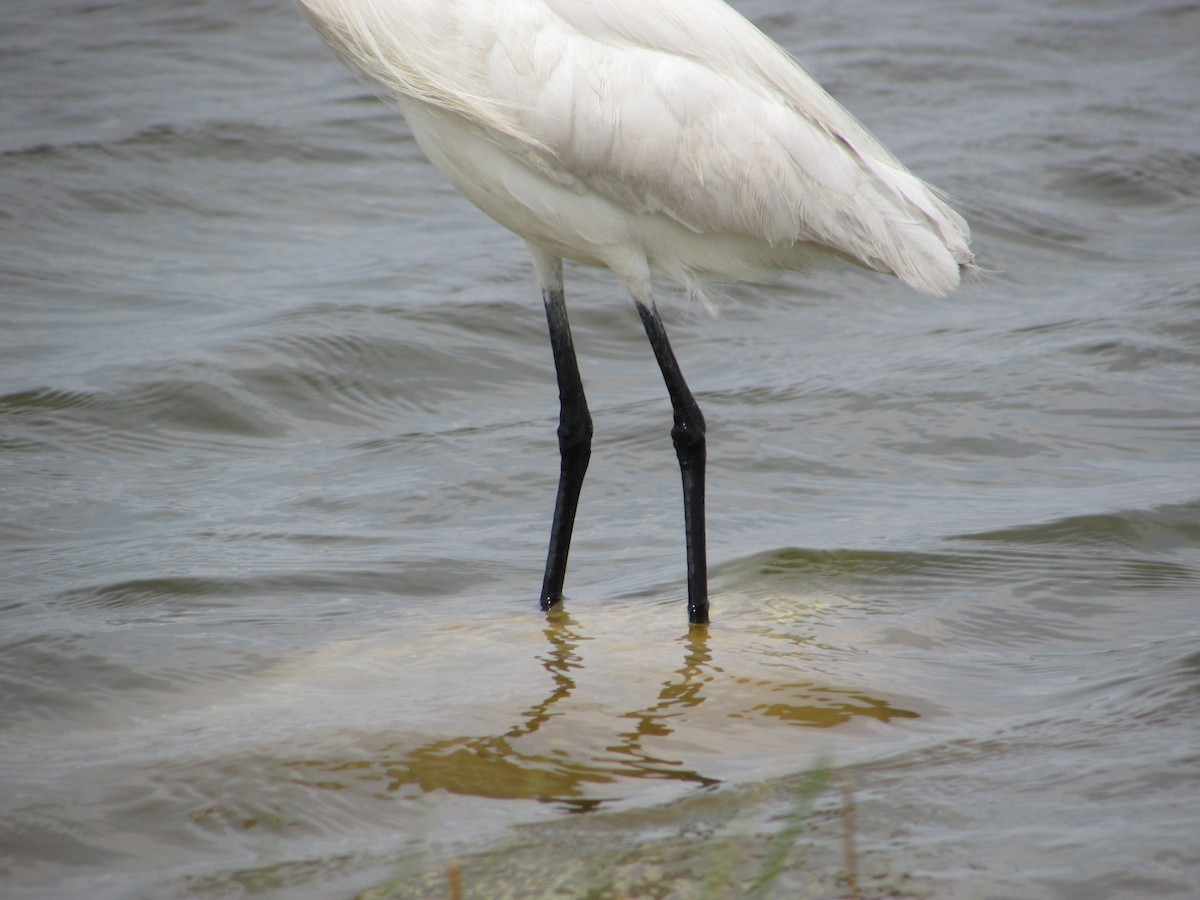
688,436
574,443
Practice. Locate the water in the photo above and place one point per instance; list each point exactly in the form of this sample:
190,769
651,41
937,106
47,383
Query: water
277,424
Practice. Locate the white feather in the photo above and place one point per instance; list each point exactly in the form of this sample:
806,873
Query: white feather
646,135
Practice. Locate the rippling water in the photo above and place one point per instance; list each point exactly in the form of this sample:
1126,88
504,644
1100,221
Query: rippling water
277,454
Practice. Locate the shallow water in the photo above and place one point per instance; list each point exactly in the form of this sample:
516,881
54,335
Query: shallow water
277,461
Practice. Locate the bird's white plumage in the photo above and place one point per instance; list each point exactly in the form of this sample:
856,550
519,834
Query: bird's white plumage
646,135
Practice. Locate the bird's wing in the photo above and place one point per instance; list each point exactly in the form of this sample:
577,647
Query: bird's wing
678,107
683,107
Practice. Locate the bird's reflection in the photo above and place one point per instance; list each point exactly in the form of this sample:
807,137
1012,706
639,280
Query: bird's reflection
559,663
684,691
552,753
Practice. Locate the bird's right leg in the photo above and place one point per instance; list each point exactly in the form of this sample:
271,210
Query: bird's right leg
574,426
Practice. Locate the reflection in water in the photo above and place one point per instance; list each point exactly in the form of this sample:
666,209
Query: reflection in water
559,663
677,694
827,707
553,753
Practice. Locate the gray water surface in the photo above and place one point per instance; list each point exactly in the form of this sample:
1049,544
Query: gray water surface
278,457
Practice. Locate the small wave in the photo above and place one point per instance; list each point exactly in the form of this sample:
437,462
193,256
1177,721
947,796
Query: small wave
1162,529
32,403
1155,179
192,593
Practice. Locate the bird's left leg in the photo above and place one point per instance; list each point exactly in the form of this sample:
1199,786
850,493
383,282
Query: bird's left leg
688,437
574,425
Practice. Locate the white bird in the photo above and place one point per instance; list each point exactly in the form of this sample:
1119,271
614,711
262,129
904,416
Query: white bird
651,137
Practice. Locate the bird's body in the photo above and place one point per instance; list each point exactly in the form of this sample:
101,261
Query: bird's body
652,137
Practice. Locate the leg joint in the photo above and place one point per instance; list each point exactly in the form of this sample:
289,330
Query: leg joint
688,438
575,432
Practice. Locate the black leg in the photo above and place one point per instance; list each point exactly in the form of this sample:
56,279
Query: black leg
574,442
688,436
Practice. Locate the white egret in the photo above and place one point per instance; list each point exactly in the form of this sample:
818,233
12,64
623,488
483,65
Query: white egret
665,137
